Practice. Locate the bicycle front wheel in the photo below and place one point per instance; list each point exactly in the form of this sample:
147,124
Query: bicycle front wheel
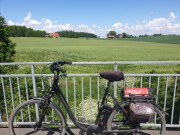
23,119
119,124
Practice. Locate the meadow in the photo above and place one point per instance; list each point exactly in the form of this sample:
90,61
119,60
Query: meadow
48,49
82,49
79,50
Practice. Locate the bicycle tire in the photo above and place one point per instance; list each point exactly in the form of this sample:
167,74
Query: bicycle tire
118,124
24,117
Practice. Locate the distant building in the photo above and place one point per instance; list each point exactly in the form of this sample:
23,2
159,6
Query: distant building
120,36
111,36
55,35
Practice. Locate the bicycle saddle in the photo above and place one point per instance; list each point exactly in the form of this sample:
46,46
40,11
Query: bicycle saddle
112,75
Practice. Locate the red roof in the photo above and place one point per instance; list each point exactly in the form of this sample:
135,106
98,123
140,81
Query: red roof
54,34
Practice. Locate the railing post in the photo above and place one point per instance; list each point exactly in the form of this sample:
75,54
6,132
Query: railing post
5,99
115,83
34,80
173,103
34,89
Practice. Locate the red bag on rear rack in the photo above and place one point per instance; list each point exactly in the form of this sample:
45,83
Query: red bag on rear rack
139,111
137,92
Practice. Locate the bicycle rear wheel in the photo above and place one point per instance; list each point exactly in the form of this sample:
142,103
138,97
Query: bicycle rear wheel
119,124
25,116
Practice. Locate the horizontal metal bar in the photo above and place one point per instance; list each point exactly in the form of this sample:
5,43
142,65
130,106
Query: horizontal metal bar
15,75
24,63
165,75
167,125
95,63
127,62
173,125
83,75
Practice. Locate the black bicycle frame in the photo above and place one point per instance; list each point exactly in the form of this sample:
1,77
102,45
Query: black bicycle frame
62,99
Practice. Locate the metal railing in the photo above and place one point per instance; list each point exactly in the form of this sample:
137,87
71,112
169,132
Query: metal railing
78,88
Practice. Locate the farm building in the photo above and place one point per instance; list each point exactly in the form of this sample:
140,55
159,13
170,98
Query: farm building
54,35
111,36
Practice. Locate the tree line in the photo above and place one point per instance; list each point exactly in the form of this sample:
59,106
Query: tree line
113,34
73,34
22,31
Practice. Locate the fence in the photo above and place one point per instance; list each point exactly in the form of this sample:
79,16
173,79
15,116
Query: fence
79,87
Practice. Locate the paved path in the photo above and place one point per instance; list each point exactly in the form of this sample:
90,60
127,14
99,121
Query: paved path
5,131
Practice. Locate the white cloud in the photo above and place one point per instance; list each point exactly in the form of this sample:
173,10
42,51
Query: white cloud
10,22
172,15
157,25
94,26
65,27
156,22
117,25
30,22
82,26
28,17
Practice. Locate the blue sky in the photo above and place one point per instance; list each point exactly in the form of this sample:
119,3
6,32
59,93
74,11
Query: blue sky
134,17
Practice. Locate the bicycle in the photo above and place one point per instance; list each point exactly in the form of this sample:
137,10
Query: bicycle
41,116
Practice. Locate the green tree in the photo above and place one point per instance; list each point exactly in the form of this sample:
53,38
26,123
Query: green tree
112,33
124,35
7,52
7,47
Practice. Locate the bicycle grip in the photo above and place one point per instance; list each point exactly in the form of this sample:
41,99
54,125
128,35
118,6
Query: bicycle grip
63,62
68,62
59,69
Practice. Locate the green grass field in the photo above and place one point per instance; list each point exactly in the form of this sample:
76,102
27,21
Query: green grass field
48,49
167,39
52,49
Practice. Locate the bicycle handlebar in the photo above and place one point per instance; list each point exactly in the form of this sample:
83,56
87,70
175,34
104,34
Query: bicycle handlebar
63,62
55,66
